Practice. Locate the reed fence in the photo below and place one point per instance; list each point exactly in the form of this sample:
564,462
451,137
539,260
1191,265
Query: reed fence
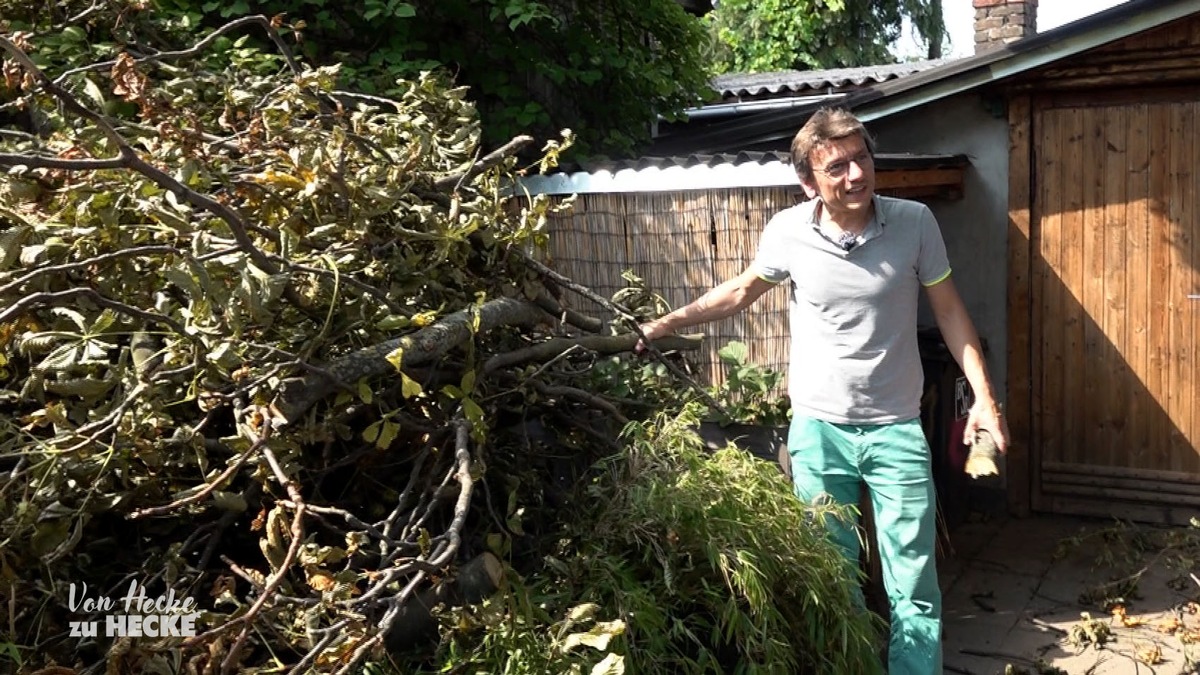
681,244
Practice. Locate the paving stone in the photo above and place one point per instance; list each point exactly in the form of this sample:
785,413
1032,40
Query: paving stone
1008,599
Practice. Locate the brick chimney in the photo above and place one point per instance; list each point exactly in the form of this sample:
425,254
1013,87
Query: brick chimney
998,22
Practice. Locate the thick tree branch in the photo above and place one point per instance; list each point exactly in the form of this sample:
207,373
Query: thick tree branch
298,394
603,344
582,321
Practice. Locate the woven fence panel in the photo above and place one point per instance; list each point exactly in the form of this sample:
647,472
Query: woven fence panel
681,244
589,245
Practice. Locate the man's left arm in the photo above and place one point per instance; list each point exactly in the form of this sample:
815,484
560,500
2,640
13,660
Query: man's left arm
959,334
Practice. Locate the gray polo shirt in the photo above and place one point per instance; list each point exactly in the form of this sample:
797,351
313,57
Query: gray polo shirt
854,357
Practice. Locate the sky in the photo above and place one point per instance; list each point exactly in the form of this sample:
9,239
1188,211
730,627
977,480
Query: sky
959,16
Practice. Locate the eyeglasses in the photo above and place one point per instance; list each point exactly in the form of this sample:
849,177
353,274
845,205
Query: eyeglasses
839,169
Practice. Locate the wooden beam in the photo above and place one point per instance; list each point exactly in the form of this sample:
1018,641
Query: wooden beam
904,178
1019,462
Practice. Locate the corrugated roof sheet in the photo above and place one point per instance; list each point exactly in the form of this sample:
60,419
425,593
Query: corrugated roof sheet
701,172
807,81
687,161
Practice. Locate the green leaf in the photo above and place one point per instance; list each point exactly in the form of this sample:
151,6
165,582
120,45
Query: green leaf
408,386
396,358
596,638
473,412
734,353
393,322
613,664
387,434
365,393
372,432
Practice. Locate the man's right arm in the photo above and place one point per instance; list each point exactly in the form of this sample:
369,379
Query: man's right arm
725,300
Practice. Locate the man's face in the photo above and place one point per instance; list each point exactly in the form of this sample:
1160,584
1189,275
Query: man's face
843,175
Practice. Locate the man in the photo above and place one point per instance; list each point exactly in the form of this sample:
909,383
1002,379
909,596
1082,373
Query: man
856,262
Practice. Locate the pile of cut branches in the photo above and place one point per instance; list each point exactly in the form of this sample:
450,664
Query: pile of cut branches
258,339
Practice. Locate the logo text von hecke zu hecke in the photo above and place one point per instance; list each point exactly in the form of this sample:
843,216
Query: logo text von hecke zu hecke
134,615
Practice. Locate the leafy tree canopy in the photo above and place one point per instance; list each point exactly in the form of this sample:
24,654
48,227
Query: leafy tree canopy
766,35
602,69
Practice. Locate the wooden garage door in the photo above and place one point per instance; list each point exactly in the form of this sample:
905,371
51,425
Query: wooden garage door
1114,339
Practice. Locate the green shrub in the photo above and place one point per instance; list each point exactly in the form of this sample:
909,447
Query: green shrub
690,562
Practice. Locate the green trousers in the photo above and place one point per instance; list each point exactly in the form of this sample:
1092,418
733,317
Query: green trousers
829,461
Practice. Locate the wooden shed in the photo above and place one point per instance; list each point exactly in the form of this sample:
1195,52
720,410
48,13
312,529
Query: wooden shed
1076,238
1103,285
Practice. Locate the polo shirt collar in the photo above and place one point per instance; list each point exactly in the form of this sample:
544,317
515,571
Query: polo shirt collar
873,230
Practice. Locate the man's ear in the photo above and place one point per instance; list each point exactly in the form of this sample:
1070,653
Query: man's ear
810,190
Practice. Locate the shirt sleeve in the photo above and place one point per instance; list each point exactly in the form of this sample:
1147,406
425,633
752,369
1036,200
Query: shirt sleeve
770,262
932,264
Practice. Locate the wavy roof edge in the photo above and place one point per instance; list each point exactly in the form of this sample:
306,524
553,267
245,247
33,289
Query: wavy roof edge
800,81
702,172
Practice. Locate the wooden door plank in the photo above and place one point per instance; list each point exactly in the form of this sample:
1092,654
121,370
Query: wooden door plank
1137,277
1021,450
1050,167
1180,393
1192,311
1095,437
1071,279
1189,280
1116,396
1158,231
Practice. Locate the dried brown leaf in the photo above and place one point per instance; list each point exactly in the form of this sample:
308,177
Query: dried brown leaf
128,83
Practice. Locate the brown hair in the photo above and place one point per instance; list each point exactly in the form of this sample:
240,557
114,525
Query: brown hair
827,124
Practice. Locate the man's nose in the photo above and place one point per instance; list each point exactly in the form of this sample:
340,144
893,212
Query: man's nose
855,170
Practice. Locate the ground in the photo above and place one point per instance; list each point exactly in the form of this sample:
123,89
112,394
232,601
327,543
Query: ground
1010,602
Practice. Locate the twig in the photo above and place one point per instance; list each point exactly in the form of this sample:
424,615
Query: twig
350,518
203,492
393,519
73,294
297,532
110,421
633,323
96,260
332,634
131,159
238,570
39,162
491,159
199,47
223,523
567,315
581,396
362,286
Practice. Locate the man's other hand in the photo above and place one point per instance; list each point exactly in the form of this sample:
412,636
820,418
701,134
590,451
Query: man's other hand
989,416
